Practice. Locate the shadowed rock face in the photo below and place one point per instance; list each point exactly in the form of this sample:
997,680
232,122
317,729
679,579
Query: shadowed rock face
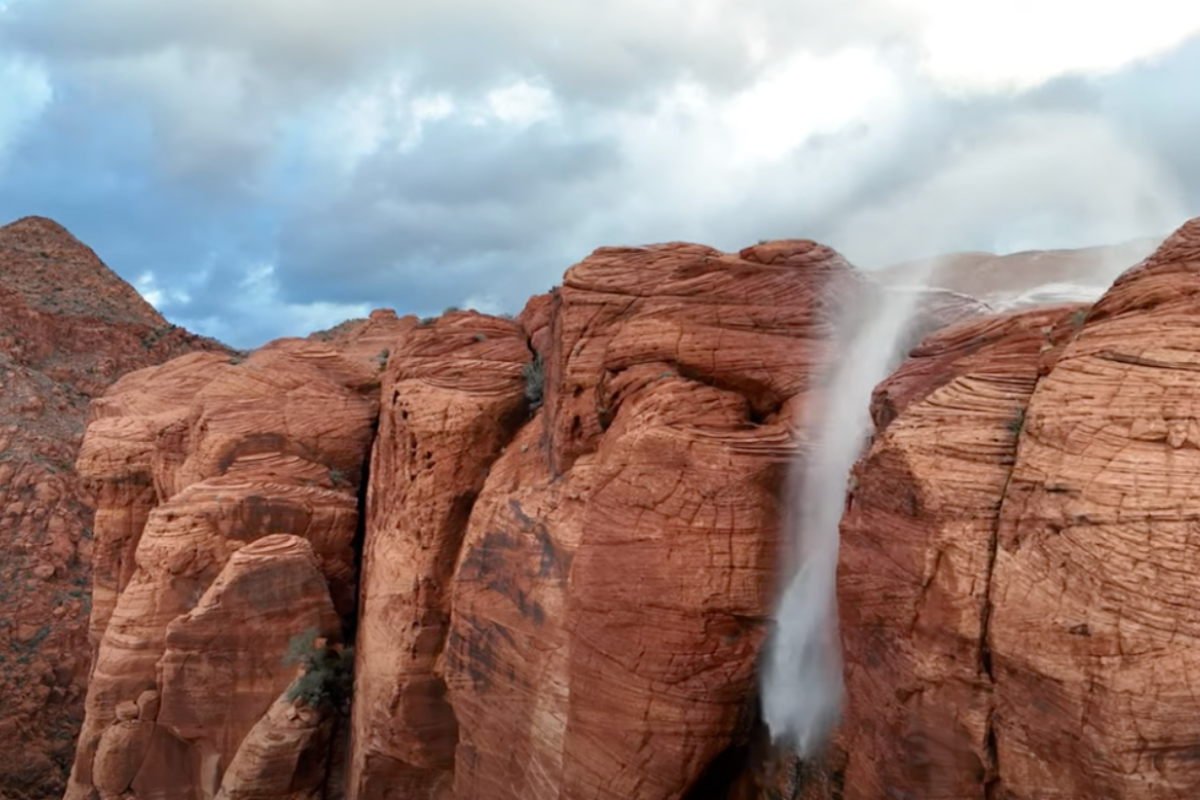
69,327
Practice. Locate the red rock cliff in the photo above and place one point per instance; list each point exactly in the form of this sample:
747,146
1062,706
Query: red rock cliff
69,327
568,561
1017,577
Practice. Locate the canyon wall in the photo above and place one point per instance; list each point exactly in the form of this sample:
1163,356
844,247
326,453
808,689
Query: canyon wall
551,540
1017,582
553,543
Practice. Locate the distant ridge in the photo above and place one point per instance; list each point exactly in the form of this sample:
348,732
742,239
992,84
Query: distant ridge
1081,273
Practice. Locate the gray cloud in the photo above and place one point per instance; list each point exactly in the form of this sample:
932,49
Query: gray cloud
271,163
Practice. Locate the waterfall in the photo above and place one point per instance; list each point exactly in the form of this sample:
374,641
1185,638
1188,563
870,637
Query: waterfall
802,674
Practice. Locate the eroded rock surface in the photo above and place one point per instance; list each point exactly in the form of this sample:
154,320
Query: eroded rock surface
1097,557
1019,556
229,496
571,521
917,539
69,327
453,396
575,610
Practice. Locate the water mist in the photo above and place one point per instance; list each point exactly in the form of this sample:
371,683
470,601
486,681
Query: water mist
802,674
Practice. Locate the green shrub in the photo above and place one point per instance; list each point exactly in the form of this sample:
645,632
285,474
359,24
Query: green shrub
328,671
534,381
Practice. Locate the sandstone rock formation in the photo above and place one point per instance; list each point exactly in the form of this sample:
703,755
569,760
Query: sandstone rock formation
69,327
1096,553
927,495
229,495
571,526
1016,586
572,606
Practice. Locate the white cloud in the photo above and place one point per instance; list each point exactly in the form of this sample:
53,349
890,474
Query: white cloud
1038,181
521,103
805,96
162,298
502,139
258,313
367,118
972,45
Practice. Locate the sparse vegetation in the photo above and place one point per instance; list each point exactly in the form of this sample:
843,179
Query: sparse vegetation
1017,422
328,671
424,322
336,477
381,358
449,309
1078,317
479,337
534,381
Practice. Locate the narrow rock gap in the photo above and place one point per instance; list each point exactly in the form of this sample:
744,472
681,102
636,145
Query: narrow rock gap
337,757
360,535
991,779
449,553
991,776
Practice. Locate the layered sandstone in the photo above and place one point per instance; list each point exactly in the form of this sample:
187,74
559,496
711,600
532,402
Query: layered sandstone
571,606
1096,553
571,527
229,508
1016,585
918,682
453,396
69,327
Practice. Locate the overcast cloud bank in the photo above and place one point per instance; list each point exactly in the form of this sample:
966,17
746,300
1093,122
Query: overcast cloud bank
266,168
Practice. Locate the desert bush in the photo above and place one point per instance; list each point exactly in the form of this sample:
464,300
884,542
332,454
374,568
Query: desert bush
534,381
328,671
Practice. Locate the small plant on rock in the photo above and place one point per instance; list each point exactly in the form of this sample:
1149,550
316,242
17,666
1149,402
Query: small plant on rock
328,670
534,381
1017,422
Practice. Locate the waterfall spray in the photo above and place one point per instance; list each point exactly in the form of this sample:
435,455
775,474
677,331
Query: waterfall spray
802,676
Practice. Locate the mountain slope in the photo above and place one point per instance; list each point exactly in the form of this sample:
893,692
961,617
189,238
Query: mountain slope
69,327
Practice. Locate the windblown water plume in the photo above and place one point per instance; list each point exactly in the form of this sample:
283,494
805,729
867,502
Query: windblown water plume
802,676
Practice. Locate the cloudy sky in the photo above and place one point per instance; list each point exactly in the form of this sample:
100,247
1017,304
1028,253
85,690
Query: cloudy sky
261,168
